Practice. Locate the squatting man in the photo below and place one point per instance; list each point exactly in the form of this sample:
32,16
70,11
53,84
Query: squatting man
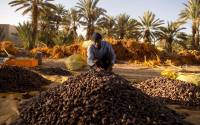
100,54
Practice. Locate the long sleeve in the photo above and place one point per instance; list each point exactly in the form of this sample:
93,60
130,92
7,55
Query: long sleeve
112,54
90,56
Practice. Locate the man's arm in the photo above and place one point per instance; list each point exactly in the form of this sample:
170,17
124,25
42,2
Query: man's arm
112,54
90,56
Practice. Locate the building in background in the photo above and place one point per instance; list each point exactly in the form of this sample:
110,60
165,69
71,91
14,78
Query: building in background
9,33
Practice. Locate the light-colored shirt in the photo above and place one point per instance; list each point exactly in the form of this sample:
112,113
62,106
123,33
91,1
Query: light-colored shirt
94,53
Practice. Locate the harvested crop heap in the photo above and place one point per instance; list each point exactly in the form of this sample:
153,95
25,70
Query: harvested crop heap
167,90
133,50
189,56
13,78
60,51
9,47
96,98
53,71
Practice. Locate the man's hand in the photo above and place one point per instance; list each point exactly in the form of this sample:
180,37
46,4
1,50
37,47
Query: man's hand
98,69
97,65
95,61
110,68
94,67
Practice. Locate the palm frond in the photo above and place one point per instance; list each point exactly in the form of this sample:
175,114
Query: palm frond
149,26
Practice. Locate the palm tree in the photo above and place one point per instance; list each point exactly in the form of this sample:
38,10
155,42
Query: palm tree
51,25
171,33
74,19
192,12
89,13
47,29
24,30
132,29
106,25
149,27
58,15
36,7
125,26
197,38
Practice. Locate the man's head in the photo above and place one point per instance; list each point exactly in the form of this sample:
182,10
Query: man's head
96,37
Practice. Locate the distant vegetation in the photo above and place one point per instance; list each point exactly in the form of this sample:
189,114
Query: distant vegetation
2,36
55,25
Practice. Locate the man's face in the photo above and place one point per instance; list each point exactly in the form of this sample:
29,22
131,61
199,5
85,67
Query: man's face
98,44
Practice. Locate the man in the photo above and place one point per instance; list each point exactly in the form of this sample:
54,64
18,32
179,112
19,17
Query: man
100,54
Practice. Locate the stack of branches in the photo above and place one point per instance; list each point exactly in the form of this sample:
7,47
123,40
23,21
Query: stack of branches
182,57
60,51
134,50
9,47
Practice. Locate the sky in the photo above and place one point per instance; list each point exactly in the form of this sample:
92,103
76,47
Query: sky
166,10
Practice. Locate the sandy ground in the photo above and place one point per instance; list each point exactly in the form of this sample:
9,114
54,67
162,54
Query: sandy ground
10,101
8,107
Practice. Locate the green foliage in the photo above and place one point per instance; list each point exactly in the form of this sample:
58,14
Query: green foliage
192,12
149,27
36,7
48,28
63,38
74,19
106,25
89,13
54,25
172,33
46,38
125,27
24,32
57,16
120,27
59,38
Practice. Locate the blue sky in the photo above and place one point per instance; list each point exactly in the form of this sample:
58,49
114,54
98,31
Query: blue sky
167,10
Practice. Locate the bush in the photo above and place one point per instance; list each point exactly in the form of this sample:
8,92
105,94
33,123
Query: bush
24,32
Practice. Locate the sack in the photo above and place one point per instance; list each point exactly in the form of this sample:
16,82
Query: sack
75,62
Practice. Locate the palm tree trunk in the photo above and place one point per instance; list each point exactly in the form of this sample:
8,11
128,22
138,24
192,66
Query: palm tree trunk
57,24
109,34
90,31
197,34
147,39
147,36
87,34
74,30
197,39
193,36
169,45
34,24
122,35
